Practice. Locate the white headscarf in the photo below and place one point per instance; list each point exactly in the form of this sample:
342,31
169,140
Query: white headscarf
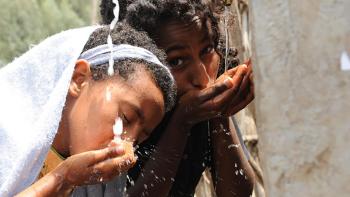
33,91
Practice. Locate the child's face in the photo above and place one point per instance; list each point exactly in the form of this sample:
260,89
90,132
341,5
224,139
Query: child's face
191,54
137,101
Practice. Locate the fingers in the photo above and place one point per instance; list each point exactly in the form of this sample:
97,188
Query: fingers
243,103
244,96
107,169
103,154
251,77
231,72
217,103
215,90
248,62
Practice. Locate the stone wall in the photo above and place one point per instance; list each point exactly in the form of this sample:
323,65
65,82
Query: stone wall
302,95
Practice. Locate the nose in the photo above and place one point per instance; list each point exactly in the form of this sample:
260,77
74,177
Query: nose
200,76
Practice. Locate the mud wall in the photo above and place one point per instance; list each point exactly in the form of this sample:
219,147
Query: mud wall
302,95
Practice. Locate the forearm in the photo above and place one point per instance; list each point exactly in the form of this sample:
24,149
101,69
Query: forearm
52,184
234,175
159,172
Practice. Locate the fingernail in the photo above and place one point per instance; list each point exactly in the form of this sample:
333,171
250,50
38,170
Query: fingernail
245,65
228,82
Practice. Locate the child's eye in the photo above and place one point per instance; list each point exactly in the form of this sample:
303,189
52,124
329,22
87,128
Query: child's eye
176,63
208,49
125,119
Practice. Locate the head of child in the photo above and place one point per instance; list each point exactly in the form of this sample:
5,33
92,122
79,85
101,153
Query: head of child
186,30
139,93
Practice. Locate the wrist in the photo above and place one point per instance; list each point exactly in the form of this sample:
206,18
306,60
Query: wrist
60,176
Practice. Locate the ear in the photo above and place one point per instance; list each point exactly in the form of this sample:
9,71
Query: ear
81,75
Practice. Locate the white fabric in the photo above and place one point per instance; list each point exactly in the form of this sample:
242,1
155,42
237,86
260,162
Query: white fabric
33,91
101,54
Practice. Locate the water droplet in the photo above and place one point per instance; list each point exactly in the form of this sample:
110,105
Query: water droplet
145,186
233,146
236,172
241,171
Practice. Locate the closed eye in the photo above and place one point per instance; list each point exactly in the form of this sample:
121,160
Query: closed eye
125,119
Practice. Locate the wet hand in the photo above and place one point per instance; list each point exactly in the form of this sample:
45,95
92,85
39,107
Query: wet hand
236,99
97,166
216,100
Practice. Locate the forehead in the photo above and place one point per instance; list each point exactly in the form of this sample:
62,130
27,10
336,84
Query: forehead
175,32
141,91
142,83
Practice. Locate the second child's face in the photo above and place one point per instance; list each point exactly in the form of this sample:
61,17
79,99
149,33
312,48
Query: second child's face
137,101
191,54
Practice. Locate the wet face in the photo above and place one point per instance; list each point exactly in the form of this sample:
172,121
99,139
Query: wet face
137,101
190,53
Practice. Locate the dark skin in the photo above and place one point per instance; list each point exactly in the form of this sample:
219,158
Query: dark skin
202,96
85,133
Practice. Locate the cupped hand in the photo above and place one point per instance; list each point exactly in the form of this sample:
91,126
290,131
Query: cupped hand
236,99
97,166
230,93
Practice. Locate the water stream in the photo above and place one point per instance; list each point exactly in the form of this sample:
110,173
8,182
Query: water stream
227,35
109,39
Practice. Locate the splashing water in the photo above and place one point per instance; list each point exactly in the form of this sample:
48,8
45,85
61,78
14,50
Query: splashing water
132,183
109,39
233,146
241,171
118,129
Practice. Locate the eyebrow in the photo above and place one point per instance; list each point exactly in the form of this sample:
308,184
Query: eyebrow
176,47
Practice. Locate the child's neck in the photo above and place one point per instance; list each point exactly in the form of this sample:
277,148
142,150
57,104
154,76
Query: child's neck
61,142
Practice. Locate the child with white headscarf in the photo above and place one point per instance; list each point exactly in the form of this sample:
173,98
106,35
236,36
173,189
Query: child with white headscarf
56,96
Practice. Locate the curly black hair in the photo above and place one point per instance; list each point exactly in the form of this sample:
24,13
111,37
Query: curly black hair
106,10
124,34
148,15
